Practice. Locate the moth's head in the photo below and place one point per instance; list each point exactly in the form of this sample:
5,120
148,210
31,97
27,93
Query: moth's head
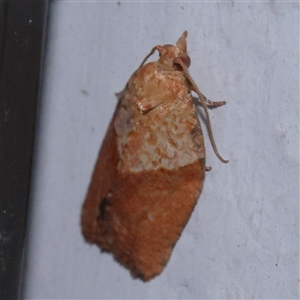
169,54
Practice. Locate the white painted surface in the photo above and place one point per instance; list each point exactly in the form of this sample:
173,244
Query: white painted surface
242,240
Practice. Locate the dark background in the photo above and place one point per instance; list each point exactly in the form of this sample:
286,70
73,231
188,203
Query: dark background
22,41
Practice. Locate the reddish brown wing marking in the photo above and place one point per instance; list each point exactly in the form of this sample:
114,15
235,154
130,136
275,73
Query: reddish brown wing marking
139,217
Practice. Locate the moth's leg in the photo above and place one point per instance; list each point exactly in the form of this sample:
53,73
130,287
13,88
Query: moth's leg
207,168
214,104
210,104
203,101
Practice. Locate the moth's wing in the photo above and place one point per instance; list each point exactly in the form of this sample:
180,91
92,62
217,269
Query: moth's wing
149,212
139,216
102,180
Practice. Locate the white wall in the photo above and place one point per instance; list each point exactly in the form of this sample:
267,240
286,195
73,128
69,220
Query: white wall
242,239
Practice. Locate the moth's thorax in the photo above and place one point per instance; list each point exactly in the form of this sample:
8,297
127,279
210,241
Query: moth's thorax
157,124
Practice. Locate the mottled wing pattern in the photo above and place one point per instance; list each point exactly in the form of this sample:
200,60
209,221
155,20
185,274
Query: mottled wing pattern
150,169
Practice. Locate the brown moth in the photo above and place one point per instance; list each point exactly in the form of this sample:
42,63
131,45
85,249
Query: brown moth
150,170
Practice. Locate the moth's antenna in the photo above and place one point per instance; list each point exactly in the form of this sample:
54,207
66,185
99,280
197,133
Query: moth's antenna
202,100
145,59
120,94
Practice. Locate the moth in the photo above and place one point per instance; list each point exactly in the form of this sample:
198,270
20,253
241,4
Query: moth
151,166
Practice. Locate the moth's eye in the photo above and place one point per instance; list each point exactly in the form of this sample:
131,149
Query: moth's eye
185,59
